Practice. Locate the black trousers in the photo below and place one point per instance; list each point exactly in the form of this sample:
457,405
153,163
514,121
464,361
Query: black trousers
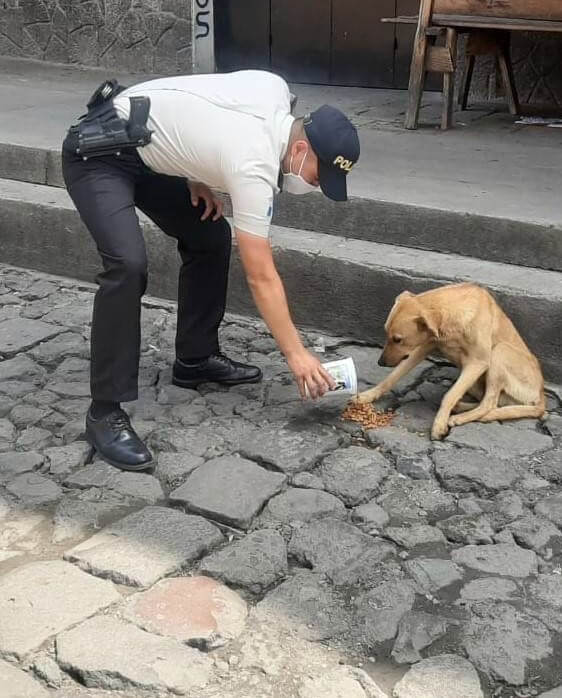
106,190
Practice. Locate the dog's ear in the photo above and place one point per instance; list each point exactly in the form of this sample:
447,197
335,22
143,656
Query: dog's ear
427,321
403,295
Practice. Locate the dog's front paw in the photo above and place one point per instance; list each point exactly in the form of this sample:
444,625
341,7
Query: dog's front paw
366,397
439,430
455,421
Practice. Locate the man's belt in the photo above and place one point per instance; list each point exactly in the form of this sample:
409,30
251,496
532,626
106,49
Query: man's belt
102,132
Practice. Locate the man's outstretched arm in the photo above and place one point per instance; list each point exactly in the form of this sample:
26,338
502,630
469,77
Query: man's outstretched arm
270,298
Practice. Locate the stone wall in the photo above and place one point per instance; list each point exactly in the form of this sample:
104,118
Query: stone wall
537,63
152,36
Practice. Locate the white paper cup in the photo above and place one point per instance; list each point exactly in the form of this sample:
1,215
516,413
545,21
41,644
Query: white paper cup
344,373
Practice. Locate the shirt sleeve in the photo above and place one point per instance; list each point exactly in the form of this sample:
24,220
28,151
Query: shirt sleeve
252,205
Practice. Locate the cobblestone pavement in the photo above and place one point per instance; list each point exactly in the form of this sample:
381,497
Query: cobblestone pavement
275,550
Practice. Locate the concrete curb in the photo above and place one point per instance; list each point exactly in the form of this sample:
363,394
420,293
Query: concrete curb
342,286
525,243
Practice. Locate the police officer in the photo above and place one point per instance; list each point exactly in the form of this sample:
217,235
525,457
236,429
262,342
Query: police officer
199,134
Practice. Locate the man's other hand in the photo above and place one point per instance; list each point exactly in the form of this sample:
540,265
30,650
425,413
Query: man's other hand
212,202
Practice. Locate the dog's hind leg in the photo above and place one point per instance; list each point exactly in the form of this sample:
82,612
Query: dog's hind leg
476,414
508,374
463,407
513,412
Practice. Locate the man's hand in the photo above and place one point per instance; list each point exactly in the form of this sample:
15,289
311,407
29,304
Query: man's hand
312,378
212,202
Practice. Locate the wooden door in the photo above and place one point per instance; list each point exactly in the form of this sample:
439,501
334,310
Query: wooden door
242,29
362,49
300,40
336,42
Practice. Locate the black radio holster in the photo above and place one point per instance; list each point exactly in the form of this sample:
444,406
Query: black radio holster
102,132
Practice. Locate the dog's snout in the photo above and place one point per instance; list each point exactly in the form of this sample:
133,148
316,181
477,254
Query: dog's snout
382,360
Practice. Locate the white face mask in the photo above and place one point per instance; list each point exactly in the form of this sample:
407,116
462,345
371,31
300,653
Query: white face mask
295,183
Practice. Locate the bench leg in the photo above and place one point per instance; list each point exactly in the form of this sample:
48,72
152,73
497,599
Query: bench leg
449,82
506,70
466,80
416,84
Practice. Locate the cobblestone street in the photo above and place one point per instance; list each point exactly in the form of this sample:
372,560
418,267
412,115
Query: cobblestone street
274,551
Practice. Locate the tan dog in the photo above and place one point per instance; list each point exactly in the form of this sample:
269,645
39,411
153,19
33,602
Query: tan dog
466,325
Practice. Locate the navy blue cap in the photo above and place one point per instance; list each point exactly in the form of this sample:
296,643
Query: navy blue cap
335,141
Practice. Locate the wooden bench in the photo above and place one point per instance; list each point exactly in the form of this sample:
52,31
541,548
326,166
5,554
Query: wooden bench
489,24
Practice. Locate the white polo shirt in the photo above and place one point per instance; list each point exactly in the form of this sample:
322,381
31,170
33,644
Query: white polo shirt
229,131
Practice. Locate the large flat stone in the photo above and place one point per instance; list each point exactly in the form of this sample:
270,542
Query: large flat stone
34,489
66,344
328,544
370,568
136,485
503,559
19,334
63,459
415,535
536,533
197,611
415,500
467,529
343,682
379,611
416,631
398,442
7,435
307,606
551,508
444,676
497,588
15,683
415,416
354,474
34,438
545,600
40,599
255,563
146,661
466,470
551,465
371,515
173,469
145,546
500,441
19,368
76,518
504,643
196,440
13,463
433,574
229,489
303,505
291,451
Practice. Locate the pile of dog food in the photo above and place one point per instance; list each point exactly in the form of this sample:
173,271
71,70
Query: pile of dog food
367,416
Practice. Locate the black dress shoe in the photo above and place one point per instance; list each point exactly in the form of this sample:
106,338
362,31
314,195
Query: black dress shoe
115,440
216,368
